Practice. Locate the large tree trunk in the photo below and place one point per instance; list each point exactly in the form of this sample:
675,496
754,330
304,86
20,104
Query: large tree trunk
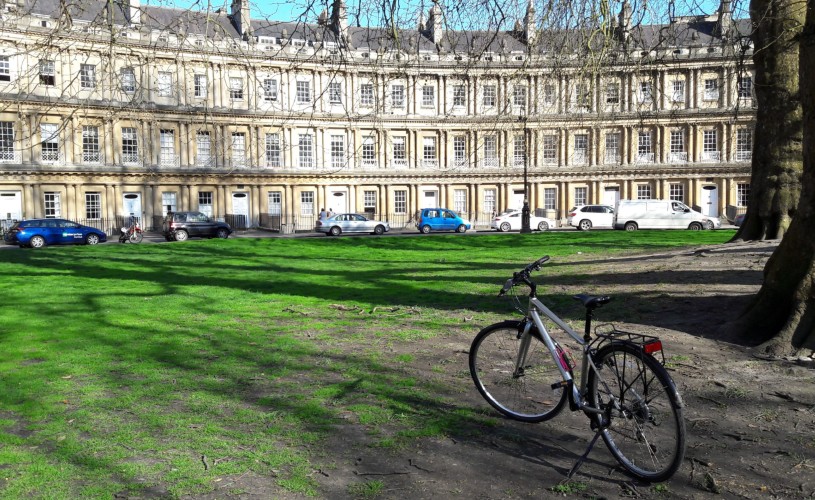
782,315
776,173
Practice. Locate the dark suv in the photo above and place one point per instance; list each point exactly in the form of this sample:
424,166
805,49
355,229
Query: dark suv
179,226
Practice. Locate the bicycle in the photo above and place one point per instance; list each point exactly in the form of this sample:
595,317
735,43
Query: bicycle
624,390
133,233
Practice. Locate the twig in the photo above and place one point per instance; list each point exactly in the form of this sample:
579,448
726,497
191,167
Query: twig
380,473
204,459
410,461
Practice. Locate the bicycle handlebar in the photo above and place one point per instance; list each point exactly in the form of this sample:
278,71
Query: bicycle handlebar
523,276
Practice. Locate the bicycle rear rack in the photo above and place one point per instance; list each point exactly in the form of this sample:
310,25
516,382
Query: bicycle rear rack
650,344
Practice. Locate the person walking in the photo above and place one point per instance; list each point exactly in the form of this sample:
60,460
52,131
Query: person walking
322,214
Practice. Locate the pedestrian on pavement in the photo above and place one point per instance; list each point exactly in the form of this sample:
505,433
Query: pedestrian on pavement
322,214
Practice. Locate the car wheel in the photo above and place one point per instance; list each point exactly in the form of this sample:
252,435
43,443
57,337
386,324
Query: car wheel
461,228
505,227
695,226
425,229
379,230
37,242
584,225
631,226
708,224
543,226
181,235
222,233
336,231
92,239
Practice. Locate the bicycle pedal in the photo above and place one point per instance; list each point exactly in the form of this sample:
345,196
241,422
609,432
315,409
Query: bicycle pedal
563,384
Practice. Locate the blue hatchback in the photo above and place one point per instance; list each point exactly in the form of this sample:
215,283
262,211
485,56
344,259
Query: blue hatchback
38,233
441,219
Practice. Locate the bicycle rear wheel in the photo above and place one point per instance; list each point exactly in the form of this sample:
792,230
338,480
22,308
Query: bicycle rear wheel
524,394
646,430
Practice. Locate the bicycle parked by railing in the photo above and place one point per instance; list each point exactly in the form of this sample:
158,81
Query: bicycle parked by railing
624,390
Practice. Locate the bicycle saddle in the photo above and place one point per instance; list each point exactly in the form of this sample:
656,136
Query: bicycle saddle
592,301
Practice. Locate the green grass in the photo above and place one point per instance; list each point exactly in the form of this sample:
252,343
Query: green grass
166,368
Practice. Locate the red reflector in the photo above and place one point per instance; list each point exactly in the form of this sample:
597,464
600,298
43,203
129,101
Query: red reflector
652,347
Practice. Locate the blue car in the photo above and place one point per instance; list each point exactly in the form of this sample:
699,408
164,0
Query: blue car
38,233
441,219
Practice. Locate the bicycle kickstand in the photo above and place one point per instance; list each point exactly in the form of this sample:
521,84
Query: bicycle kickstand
585,455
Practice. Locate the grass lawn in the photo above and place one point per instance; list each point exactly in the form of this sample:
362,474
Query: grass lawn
162,368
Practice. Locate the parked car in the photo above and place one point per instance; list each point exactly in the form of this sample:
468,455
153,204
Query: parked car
660,214
441,219
585,217
511,220
739,220
178,226
350,223
38,233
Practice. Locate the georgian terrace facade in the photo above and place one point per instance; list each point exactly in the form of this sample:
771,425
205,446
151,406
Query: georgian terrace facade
266,126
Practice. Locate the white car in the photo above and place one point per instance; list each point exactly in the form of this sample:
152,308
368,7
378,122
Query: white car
511,221
585,217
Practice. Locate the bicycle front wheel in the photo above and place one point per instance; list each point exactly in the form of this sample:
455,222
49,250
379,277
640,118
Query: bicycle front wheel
646,430
136,237
521,391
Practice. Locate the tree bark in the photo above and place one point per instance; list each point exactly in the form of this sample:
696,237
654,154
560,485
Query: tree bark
782,314
776,171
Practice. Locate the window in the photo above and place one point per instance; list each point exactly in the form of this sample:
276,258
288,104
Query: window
200,86
581,149
165,84
274,157
399,150
236,89
93,206
612,147
366,94
167,156
337,151
398,95
48,74
128,80
644,152
90,144
275,202
519,95
549,94
203,149
676,192
742,194
306,151
580,195
205,202
643,191
5,69
6,141
489,95
87,76
53,205
168,203
307,203
549,152
400,201
745,84
678,94
429,149
49,135
368,151
303,94
613,93
582,96
744,144
428,96
459,150
335,92
460,200
711,90
677,151
645,95
130,145
369,201
549,198
710,145
490,151
269,89
489,201
519,150
239,149
459,95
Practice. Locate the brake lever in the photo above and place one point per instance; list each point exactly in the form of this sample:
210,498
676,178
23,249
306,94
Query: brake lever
507,286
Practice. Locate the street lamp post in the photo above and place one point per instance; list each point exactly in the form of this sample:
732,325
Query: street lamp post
525,210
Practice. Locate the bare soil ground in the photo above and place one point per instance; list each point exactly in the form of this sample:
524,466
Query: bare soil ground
749,420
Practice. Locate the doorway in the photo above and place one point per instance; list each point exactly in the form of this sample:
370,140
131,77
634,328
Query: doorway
131,206
11,205
611,196
337,202
240,209
430,199
709,204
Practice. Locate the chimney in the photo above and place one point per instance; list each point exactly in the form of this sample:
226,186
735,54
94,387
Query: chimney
434,23
625,21
530,31
339,22
242,18
725,19
134,12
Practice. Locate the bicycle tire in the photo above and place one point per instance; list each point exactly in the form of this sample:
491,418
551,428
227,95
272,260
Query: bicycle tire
645,431
136,237
528,397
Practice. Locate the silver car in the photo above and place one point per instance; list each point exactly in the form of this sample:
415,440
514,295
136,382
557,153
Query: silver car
350,223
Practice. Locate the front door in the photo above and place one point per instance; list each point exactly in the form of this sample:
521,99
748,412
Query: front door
240,206
517,202
611,196
709,203
132,206
337,202
11,205
430,199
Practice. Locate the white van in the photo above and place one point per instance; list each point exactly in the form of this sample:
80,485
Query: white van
660,214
